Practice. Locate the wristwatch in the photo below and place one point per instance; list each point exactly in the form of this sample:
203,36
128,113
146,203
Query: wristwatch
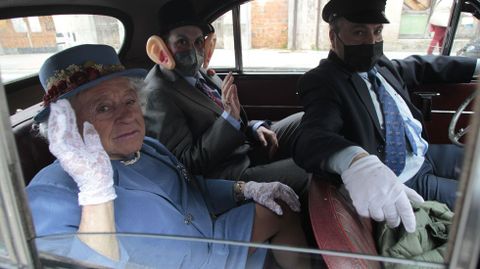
238,191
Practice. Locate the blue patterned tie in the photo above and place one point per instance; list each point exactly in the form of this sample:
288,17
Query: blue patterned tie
395,146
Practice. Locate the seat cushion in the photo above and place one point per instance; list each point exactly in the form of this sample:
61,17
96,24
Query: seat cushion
32,150
337,226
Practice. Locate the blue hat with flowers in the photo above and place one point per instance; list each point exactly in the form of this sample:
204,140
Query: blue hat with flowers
79,68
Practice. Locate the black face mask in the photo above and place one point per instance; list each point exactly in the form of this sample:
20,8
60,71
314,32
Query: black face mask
188,62
362,58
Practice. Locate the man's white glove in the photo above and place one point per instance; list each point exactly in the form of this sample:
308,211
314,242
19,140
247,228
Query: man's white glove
84,160
377,193
266,193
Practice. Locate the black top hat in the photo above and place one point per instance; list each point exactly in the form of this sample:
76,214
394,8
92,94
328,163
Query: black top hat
177,13
357,11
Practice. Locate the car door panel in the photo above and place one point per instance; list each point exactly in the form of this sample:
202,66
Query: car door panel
443,106
268,96
273,96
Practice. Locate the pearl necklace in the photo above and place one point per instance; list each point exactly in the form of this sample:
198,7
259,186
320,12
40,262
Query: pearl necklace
133,160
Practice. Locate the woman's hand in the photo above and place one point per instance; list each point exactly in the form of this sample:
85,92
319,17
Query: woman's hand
266,193
84,160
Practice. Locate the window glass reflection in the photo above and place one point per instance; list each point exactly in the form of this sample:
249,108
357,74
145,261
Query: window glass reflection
25,43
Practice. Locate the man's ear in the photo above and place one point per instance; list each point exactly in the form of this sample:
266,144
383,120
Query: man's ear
158,52
331,36
210,43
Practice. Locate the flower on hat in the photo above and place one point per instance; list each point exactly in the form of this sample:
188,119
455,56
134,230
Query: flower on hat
73,76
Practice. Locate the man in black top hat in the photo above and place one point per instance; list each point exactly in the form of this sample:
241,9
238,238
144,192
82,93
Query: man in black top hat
199,117
359,122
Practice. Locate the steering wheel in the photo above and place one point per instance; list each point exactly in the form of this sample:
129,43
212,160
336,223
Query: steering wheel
455,136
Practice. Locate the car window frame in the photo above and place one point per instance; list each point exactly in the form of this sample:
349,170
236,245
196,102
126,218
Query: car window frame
17,230
467,231
465,240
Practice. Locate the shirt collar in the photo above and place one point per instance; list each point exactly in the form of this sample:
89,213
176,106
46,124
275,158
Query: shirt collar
192,80
363,75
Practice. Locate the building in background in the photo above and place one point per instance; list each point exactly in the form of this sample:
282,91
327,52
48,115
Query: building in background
297,25
48,34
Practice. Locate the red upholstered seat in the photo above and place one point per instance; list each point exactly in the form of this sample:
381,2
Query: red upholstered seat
337,226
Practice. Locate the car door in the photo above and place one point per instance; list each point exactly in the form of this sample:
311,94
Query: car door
267,58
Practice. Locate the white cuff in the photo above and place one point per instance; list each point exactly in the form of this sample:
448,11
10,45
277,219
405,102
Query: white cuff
340,161
235,123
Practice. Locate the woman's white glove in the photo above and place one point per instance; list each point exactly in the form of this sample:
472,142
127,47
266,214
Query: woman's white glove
266,193
377,193
84,160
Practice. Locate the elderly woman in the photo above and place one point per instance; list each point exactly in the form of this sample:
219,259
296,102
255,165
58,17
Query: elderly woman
109,178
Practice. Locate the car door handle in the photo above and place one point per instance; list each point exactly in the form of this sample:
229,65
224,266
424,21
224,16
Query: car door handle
426,103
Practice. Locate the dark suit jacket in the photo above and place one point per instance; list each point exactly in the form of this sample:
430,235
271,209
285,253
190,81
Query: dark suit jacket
190,125
339,111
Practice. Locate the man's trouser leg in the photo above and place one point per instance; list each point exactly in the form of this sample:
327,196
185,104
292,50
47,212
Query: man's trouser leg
281,166
437,178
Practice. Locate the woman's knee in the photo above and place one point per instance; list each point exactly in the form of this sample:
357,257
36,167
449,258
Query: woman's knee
267,223
269,218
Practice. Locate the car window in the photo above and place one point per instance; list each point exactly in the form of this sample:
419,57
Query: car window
410,31
26,42
291,36
270,55
467,37
266,40
224,55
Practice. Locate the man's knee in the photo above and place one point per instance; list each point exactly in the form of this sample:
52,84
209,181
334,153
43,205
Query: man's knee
289,122
432,187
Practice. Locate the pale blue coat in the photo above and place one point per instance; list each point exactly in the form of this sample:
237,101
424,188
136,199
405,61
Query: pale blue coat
155,196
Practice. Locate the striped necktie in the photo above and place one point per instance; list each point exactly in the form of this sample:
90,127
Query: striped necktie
211,93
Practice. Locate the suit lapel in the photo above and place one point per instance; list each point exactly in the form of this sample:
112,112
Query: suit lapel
192,200
193,94
129,178
132,180
392,81
390,78
214,80
217,81
365,97
196,96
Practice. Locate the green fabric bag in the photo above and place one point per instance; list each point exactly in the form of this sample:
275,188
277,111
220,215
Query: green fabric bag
428,243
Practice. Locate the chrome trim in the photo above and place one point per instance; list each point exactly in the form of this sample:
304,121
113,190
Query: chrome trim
302,250
15,219
237,39
452,112
452,27
272,106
